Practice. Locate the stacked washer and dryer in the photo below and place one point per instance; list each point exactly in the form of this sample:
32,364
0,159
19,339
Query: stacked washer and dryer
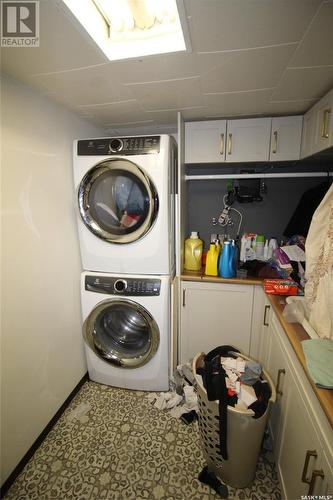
126,221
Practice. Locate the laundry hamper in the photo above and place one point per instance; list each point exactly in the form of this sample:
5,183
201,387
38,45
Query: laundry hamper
244,434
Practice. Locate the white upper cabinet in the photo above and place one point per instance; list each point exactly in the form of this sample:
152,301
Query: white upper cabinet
308,133
248,140
205,141
318,127
324,123
286,138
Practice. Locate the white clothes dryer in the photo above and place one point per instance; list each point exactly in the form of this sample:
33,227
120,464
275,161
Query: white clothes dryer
126,329
125,190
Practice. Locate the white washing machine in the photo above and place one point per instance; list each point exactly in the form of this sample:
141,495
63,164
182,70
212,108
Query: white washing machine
126,329
125,195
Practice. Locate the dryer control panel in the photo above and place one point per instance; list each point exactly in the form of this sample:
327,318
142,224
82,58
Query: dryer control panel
129,287
123,145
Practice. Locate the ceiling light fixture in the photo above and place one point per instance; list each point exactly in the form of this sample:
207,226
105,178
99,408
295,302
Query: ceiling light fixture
133,28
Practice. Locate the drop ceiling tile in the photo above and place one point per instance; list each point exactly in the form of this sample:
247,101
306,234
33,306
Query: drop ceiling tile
168,94
225,25
86,86
157,68
244,70
304,83
238,103
316,49
168,116
123,112
62,46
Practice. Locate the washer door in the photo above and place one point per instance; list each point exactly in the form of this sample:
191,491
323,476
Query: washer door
122,332
117,201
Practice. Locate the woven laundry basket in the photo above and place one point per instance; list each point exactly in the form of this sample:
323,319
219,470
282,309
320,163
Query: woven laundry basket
244,434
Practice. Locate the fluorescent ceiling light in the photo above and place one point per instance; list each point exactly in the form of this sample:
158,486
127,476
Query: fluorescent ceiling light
132,28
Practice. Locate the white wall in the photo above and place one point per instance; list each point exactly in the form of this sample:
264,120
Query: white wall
42,352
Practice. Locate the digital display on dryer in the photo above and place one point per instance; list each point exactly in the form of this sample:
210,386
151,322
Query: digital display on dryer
122,286
129,146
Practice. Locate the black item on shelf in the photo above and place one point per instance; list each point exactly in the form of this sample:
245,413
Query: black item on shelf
301,219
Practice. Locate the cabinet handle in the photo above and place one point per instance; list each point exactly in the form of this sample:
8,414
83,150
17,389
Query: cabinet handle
229,144
275,134
309,453
267,308
184,297
315,474
280,372
222,145
324,126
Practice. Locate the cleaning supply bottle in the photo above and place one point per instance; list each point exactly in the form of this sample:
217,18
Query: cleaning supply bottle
260,243
193,252
266,250
227,261
211,268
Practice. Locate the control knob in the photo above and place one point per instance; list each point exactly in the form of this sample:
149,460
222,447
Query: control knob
116,145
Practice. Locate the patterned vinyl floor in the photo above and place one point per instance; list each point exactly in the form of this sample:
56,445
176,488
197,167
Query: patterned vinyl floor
124,448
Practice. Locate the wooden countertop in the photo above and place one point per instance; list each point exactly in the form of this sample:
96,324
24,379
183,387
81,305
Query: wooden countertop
296,333
201,276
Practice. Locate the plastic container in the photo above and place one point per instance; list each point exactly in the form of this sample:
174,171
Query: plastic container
227,267
193,252
244,434
260,244
212,258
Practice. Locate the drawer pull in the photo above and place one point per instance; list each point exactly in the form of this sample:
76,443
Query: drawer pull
267,308
229,144
325,124
184,292
280,372
309,453
315,474
275,134
222,145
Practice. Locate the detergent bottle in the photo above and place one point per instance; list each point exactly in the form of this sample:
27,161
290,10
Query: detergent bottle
212,259
193,252
227,260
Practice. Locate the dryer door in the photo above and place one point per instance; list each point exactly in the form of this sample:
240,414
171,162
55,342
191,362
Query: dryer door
122,332
117,201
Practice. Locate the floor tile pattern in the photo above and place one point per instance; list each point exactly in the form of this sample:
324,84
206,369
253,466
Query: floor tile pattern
124,448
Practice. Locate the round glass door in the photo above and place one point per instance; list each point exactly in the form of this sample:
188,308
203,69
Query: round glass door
122,332
117,201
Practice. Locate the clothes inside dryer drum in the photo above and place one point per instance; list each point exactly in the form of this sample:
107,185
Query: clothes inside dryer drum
124,331
119,202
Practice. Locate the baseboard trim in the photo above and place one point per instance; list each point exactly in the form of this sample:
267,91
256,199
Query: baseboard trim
18,469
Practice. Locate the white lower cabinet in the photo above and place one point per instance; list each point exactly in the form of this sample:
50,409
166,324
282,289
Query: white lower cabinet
214,314
302,436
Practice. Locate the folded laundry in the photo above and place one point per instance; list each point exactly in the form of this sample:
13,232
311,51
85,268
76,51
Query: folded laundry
319,360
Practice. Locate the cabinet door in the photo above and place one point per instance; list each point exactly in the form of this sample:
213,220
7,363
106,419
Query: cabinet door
248,140
323,477
286,138
214,314
264,334
301,452
308,133
324,123
278,369
205,141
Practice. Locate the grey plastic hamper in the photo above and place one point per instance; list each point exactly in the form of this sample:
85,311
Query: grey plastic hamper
244,434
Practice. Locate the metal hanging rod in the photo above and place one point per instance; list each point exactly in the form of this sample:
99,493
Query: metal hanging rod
256,176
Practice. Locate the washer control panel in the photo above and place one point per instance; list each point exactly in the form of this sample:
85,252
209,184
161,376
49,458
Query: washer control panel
115,145
129,287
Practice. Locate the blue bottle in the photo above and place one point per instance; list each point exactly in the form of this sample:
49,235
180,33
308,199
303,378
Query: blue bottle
227,261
